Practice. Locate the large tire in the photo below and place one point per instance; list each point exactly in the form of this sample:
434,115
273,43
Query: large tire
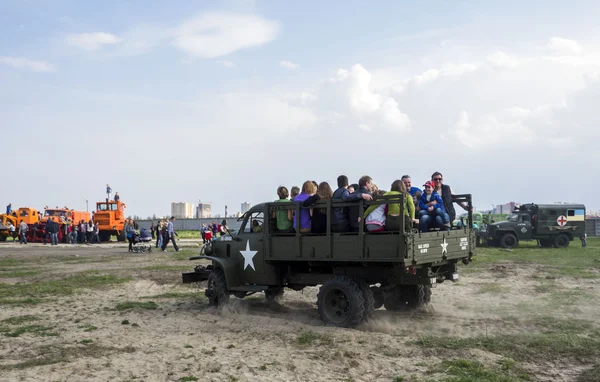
104,236
122,236
273,295
368,298
404,298
508,241
217,292
340,302
561,241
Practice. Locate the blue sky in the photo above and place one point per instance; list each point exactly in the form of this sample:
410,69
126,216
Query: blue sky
224,101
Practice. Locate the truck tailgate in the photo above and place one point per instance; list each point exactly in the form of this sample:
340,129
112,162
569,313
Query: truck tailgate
432,247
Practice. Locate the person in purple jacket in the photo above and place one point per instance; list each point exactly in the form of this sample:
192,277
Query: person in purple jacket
308,189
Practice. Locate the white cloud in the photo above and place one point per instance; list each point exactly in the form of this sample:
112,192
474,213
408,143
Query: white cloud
288,65
564,46
229,64
503,60
24,63
92,41
348,98
217,34
448,70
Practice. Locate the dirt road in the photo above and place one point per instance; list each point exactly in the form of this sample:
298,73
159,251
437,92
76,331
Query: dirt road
101,314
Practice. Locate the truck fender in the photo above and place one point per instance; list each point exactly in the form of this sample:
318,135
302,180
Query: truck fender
229,267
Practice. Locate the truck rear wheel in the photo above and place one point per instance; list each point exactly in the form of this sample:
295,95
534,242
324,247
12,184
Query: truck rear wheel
340,302
122,236
561,241
368,298
104,236
403,298
217,292
274,294
508,241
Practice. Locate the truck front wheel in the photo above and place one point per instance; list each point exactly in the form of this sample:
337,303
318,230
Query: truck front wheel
508,241
340,302
561,241
217,292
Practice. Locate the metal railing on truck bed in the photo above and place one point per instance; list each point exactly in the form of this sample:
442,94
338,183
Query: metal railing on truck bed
399,243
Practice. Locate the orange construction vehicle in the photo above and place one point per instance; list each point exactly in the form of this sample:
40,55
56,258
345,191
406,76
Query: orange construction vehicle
29,215
110,217
62,216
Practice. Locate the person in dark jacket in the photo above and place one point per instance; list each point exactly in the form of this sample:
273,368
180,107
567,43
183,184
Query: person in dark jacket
340,221
447,194
365,185
318,221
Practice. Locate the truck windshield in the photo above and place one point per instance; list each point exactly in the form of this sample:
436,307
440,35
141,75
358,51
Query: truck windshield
512,218
105,207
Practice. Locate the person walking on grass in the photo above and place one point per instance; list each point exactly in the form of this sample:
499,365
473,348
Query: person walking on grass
22,232
170,236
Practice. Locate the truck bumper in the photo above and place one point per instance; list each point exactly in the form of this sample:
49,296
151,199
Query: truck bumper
200,274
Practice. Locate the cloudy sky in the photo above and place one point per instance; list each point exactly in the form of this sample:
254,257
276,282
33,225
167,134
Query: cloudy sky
224,101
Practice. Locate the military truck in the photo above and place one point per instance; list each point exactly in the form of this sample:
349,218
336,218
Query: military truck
552,225
358,271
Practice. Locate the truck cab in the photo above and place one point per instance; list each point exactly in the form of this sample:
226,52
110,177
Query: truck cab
110,217
359,271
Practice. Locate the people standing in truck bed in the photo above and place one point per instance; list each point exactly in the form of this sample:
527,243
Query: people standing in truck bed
308,189
447,194
365,185
282,217
340,221
318,222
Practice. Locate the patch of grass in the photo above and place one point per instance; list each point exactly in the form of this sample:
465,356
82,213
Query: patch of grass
188,378
49,355
86,341
178,268
528,347
183,254
7,273
20,301
12,262
231,378
151,305
460,370
312,338
59,287
90,328
20,319
188,346
398,379
493,288
179,295
590,375
34,329
574,261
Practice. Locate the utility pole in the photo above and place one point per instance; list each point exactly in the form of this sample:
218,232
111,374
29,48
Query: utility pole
87,208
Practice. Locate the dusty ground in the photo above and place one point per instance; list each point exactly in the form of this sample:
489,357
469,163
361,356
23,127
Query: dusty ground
49,333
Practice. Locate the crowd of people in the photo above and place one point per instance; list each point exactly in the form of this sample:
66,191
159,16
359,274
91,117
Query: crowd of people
66,232
424,209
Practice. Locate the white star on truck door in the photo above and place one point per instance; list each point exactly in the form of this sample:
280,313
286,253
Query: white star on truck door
248,256
444,247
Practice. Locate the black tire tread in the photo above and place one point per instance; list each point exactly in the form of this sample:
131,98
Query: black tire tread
220,295
356,294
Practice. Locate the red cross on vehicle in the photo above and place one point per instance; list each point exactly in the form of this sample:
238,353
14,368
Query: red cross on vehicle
562,220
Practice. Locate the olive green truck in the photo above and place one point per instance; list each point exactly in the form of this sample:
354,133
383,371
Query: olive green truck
358,271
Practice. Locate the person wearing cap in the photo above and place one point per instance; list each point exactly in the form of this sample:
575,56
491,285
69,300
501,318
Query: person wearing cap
432,209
